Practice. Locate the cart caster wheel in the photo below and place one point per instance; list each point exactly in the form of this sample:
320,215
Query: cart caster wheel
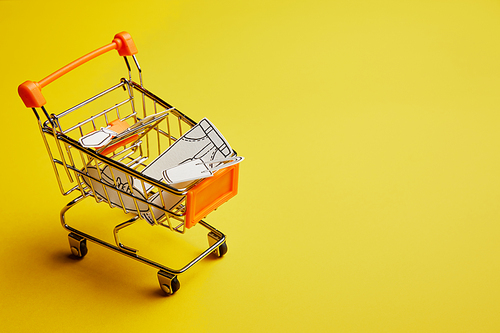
222,249
168,282
78,245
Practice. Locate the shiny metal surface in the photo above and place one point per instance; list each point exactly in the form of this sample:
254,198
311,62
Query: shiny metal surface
116,178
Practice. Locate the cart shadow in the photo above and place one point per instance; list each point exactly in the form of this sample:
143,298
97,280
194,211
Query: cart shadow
116,282
113,281
107,276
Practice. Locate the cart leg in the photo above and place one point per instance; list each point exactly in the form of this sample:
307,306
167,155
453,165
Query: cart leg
214,238
78,245
117,238
168,282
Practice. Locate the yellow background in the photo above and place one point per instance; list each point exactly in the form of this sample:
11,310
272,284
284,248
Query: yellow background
368,198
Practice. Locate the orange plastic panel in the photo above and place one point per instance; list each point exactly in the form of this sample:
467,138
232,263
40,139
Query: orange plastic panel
210,194
119,126
112,148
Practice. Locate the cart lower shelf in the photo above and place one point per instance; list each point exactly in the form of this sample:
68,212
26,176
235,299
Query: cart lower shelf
167,276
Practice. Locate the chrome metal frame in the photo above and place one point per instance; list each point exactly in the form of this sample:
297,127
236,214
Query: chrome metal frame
71,163
219,238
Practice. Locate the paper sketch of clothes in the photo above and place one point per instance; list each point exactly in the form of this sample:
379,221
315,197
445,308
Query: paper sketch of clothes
203,141
103,192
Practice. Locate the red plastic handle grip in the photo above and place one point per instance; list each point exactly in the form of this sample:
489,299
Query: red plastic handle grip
31,92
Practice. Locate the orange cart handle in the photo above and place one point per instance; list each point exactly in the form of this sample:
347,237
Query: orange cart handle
31,92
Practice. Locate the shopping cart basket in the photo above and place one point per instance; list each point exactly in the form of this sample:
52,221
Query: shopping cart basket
111,173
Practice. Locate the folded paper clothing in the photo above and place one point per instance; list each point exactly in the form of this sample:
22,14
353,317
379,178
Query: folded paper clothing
197,169
195,155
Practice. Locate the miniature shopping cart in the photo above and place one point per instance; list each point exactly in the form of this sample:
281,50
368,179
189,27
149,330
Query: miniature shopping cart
145,126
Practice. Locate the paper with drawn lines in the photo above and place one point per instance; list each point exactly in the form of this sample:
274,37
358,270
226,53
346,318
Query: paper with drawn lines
203,141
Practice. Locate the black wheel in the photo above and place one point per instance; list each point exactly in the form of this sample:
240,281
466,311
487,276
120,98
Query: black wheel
78,245
176,285
222,250
168,282
84,249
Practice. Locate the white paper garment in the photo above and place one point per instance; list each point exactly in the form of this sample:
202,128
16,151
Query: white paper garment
105,192
98,138
197,169
203,141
